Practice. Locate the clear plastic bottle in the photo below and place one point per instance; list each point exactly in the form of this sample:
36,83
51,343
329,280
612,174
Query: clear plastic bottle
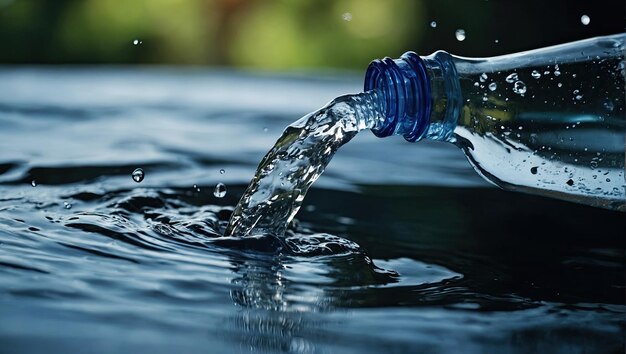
549,121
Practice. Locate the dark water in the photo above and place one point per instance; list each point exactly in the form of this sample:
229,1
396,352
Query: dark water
399,247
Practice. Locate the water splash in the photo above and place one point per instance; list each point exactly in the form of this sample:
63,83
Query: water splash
298,158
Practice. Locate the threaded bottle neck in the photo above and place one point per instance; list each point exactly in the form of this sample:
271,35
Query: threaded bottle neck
405,88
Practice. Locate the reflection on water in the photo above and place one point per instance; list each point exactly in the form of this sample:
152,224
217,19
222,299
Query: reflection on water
396,249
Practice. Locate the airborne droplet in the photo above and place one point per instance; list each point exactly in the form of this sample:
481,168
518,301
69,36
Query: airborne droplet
460,35
220,190
585,20
138,175
535,74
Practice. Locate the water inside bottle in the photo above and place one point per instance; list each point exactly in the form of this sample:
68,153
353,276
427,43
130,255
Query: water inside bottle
557,129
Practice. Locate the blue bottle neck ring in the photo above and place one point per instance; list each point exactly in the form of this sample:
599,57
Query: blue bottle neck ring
406,90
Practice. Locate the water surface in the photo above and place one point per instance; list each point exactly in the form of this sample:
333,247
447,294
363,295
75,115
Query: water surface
398,247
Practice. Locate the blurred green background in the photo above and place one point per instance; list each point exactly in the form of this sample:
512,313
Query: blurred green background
286,34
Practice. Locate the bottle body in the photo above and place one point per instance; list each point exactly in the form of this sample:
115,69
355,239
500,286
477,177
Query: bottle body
549,121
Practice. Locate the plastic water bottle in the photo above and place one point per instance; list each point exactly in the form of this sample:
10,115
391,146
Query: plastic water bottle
549,121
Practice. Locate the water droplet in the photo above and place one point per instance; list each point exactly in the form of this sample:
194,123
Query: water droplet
136,42
460,35
433,24
559,84
585,20
511,78
496,41
33,183
220,190
265,130
196,188
476,84
493,86
347,16
138,175
570,182
609,105
578,97
557,72
519,87
485,99
483,77
222,171
535,74
534,169
67,205
594,164
608,180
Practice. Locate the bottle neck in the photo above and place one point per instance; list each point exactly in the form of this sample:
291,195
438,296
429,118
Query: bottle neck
421,94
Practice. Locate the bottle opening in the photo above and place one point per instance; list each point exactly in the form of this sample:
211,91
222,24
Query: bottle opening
405,86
